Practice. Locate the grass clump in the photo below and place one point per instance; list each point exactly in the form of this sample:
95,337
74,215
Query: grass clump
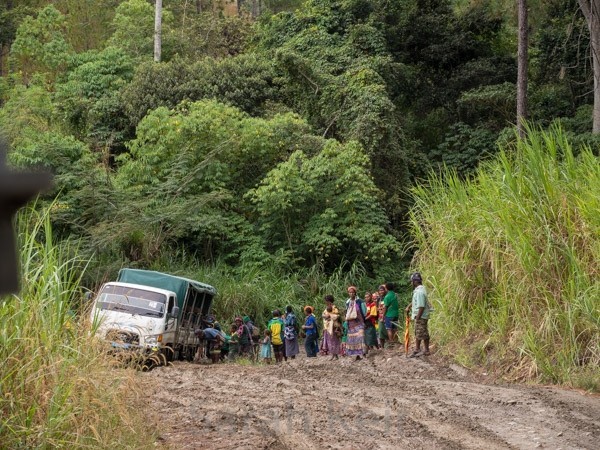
57,387
511,256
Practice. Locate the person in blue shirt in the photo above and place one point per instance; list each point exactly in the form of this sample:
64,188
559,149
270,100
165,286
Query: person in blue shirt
214,340
310,329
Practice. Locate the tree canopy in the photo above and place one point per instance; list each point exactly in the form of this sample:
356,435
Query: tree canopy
294,134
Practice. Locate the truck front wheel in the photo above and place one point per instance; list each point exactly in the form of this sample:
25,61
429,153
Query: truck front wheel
168,352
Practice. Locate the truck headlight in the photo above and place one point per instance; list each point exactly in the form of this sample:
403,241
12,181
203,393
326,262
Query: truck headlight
153,340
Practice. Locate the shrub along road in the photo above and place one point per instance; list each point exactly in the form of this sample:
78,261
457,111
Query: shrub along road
384,401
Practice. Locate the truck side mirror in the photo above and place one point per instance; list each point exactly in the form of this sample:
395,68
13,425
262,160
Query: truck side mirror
175,312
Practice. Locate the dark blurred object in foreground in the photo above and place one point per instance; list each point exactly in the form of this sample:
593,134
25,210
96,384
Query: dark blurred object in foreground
16,189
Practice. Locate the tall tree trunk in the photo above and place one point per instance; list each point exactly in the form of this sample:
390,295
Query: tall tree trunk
591,11
522,67
157,30
5,47
256,8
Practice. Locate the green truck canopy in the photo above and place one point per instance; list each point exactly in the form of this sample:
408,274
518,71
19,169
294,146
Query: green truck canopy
183,287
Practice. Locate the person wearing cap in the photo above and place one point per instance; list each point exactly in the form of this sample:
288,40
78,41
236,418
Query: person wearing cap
276,327
420,315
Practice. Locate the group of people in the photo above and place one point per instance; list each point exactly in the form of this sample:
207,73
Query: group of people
372,322
365,324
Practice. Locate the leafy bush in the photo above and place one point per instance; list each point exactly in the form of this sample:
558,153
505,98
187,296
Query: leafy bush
464,147
244,81
89,97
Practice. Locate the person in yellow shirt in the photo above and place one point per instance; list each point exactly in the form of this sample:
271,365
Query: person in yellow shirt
276,326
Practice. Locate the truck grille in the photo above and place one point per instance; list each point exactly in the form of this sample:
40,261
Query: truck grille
123,337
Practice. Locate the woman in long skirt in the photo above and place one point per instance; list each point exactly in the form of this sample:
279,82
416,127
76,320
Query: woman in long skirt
355,316
331,329
290,334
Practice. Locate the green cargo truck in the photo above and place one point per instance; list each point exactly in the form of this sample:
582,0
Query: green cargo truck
152,313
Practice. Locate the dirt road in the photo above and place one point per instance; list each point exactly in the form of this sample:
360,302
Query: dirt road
382,402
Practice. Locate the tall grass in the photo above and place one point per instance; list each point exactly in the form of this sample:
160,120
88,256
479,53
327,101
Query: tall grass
512,257
57,388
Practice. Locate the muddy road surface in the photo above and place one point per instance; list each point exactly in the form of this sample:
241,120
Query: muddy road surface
385,401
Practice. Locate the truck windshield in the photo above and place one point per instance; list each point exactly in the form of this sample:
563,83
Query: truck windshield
132,301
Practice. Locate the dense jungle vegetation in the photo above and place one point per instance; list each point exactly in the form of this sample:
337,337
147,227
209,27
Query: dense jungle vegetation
292,148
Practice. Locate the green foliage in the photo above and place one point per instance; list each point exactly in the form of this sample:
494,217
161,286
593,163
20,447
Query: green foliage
79,181
89,97
26,108
560,55
188,169
40,45
28,120
245,81
133,26
338,72
549,101
464,148
511,254
10,18
489,102
325,207
87,21
207,34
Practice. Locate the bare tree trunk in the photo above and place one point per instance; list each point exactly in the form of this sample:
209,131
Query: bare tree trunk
157,30
5,47
256,8
4,50
591,11
522,67
198,6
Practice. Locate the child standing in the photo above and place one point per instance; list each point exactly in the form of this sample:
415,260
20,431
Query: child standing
265,348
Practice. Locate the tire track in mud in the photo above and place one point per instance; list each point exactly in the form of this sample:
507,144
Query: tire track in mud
385,402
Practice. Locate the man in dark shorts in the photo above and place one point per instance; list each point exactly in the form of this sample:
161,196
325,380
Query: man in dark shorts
420,315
